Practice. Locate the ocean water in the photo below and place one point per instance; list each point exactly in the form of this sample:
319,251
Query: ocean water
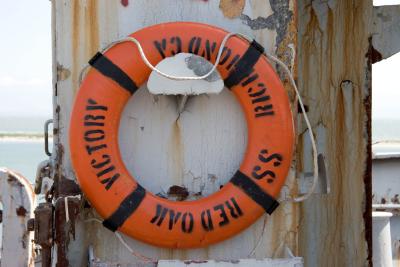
22,155
386,130
22,145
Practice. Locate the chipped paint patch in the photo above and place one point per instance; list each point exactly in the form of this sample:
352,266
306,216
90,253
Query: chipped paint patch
200,67
232,8
259,23
278,21
185,65
62,73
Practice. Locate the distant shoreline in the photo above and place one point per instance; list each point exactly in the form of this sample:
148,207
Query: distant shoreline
22,137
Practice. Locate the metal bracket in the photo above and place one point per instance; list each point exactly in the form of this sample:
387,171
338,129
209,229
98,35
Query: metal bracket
46,137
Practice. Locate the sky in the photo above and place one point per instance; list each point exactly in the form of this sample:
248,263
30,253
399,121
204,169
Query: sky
386,2
25,54
25,72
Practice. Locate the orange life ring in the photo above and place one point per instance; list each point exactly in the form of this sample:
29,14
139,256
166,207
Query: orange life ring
118,197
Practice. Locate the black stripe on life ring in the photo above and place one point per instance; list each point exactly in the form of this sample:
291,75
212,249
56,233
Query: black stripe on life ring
244,67
112,71
127,207
250,188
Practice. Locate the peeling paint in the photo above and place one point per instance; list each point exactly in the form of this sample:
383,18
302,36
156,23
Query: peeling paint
232,8
329,58
177,136
278,21
335,236
283,20
62,73
259,23
201,66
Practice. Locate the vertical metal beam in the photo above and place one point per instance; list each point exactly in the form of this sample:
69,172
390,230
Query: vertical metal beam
335,79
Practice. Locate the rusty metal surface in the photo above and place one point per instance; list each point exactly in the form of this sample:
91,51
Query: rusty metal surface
65,229
150,123
43,227
334,76
18,201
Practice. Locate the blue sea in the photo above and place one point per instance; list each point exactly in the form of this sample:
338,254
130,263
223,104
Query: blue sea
22,145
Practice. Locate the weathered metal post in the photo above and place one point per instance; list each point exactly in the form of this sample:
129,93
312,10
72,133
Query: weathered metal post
18,199
326,44
382,245
335,57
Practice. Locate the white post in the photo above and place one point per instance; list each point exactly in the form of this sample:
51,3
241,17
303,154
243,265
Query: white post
18,199
381,239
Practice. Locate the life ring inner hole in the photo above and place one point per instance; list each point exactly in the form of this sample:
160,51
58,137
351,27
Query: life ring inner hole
184,156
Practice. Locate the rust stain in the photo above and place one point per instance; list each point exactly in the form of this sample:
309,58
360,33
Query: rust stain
62,185
177,157
76,21
342,108
91,28
179,192
232,8
65,230
85,35
395,199
21,211
371,56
